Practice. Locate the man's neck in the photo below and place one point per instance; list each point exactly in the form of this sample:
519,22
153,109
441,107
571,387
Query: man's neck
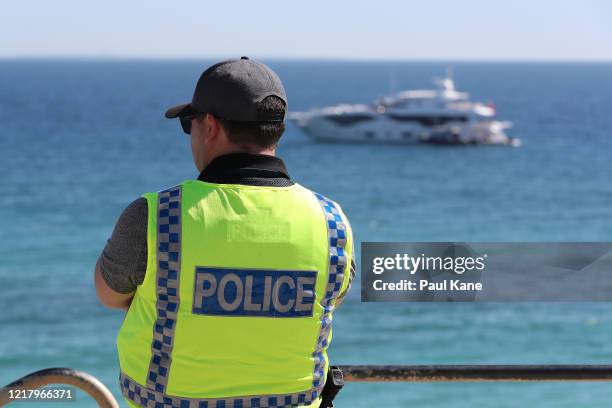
247,168
238,149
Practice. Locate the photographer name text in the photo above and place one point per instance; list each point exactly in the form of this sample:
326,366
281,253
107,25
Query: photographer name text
427,285
421,263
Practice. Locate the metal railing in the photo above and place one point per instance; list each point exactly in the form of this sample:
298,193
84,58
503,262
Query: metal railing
352,373
86,382
456,373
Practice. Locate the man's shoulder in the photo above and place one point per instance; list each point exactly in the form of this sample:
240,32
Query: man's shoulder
133,220
135,210
327,201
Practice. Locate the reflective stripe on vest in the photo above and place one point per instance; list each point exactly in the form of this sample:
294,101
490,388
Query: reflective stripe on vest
336,233
168,253
168,268
148,398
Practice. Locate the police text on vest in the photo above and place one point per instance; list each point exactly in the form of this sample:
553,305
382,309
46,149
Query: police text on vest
253,292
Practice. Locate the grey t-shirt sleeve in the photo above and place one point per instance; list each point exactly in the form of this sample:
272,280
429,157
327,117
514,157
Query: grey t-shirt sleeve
123,261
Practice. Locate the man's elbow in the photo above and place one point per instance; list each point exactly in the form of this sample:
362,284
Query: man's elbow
111,302
122,305
107,296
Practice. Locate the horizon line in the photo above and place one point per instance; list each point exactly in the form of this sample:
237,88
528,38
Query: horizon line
299,59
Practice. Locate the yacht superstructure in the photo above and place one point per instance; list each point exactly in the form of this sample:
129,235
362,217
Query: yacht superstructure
440,116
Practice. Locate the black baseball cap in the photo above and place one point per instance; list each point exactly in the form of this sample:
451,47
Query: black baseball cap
231,90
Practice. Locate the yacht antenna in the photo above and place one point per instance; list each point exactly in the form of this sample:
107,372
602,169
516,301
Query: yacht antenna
392,81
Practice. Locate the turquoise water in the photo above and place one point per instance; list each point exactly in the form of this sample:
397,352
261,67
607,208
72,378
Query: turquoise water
81,139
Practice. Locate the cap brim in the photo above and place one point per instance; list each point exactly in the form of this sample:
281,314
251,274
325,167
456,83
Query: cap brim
179,110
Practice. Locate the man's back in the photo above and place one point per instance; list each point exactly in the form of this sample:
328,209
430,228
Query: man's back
253,291
231,296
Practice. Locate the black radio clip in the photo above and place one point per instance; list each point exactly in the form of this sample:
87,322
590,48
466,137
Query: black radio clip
333,385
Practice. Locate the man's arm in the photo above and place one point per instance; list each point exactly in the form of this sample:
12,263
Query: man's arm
122,265
107,296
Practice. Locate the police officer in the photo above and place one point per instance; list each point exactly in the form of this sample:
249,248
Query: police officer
230,281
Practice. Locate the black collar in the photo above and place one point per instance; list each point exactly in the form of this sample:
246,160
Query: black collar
247,168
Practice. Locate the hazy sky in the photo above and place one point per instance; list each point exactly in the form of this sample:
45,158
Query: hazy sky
381,29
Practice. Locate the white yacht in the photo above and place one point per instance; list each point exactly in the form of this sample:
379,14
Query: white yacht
438,116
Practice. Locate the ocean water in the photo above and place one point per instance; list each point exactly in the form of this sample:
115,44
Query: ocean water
79,140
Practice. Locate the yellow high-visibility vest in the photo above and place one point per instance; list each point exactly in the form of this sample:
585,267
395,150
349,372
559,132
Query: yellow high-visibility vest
236,306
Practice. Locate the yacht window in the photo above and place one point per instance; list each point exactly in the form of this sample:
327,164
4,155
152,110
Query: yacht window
426,120
347,120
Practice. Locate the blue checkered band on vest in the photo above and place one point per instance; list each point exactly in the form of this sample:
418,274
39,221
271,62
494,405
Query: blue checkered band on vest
168,268
154,395
146,397
336,232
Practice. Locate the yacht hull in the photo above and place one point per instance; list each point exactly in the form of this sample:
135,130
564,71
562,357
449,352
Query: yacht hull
382,130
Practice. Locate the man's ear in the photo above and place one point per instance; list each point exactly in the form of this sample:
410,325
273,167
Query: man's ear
213,126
